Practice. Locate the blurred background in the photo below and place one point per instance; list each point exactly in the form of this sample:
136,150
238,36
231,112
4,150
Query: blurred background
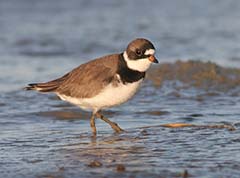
41,136
40,40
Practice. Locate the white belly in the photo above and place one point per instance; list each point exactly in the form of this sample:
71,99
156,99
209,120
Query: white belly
109,96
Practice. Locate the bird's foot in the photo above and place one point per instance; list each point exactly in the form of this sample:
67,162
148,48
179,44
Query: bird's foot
114,125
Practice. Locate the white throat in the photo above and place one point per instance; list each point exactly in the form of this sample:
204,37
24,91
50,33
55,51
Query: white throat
140,65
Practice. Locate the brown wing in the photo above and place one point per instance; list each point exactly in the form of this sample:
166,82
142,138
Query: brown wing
89,79
85,81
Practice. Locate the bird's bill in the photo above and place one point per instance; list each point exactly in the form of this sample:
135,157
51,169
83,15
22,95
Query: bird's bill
152,59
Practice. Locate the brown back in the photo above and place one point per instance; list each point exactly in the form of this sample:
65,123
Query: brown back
89,79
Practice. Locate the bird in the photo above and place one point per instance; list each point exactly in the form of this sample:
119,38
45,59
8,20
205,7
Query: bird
103,82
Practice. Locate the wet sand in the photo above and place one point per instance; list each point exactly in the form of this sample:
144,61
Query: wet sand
206,75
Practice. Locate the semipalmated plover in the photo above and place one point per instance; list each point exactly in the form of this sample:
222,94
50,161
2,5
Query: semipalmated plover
104,82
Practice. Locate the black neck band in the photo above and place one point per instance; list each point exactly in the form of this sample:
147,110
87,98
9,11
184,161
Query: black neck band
128,75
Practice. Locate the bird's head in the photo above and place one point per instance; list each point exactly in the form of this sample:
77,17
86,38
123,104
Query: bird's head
140,54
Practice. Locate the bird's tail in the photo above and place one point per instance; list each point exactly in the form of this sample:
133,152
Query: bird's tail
48,86
42,87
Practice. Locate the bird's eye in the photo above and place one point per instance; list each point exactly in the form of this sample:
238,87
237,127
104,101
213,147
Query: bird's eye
138,52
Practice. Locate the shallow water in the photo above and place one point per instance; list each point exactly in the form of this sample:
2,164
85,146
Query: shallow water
41,136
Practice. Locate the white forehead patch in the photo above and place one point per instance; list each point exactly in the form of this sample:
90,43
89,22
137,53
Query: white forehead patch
140,65
149,52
